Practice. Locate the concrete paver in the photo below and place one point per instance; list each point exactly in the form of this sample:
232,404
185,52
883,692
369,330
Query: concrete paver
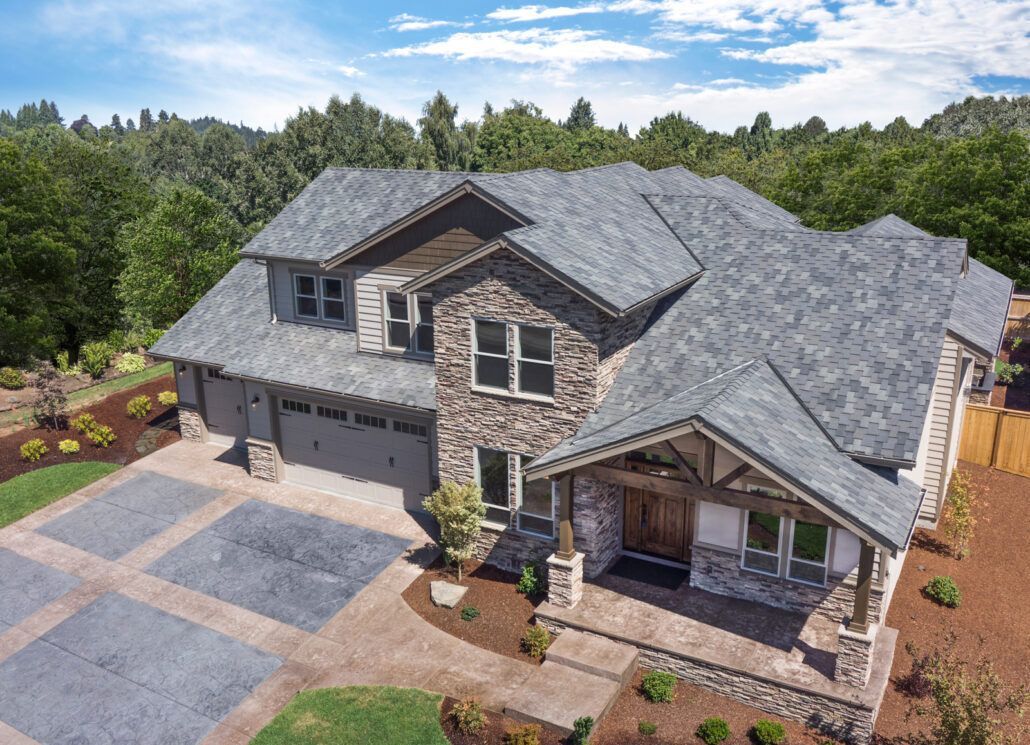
26,586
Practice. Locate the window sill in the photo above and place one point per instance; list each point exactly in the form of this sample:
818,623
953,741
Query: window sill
502,393
493,525
534,534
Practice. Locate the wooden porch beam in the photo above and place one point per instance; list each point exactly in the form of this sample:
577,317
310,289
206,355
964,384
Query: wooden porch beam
706,463
681,463
860,615
732,476
680,488
566,550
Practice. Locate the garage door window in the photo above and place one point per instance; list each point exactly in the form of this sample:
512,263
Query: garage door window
493,478
536,504
366,420
410,428
298,407
328,412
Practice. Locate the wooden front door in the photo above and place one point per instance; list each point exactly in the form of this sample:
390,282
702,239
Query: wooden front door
656,523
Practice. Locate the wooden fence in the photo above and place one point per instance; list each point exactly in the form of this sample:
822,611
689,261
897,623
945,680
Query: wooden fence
996,437
1018,323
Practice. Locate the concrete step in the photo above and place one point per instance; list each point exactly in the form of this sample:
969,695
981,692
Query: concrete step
594,654
556,696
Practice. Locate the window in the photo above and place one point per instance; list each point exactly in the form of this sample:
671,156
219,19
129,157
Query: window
217,374
534,358
329,413
490,353
809,546
762,543
492,477
410,428
298,407
307,299
536,505
366,420
333,306
398,325
423,323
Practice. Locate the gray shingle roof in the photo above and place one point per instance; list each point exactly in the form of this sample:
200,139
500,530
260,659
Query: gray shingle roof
230,328
980,308
752,407
889,226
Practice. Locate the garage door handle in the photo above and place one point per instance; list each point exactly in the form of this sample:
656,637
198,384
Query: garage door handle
316,444
391,461
239,409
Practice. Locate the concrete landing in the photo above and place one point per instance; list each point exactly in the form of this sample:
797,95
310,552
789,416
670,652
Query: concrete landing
557,696
594,654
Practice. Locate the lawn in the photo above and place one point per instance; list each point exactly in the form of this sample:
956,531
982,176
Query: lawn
357,715
30,491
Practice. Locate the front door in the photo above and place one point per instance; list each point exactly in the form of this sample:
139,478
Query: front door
656,523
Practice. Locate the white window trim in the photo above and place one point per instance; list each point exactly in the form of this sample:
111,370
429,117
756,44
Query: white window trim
297,294
519,358
779,548
475,464
476,385
519,511
322,299
416,323
319,299
790,557
384,293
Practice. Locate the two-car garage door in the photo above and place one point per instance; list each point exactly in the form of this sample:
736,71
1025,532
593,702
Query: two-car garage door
362,453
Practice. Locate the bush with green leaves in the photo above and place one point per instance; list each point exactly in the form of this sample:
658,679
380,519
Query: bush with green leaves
459,510
469,613
51,402
943,590
131,363
581,730
138,406
11,379
646,728
768,732
33,450
102,436
152,336
61,362
117,340
68,447
168,398
530,583
526,734
468,716
713,730
659,687
94,358
84,423
1007,372
535,641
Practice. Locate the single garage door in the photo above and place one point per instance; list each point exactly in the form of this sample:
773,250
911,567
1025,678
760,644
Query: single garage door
360,453
224,411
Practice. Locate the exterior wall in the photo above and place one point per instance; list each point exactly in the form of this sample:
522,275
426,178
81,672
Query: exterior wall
597,524
369,300
617,340
511,549
190,426
185,383
282,291
263,460
936,450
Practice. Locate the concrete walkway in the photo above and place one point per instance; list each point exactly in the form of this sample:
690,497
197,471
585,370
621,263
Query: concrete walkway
375,639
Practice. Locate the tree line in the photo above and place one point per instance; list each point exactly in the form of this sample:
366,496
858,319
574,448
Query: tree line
126,225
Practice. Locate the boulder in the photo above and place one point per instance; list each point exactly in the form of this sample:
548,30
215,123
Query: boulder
446,594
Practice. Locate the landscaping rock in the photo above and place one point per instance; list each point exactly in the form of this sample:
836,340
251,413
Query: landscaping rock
446,594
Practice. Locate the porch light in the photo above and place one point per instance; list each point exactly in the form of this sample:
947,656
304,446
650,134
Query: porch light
254,401
182,369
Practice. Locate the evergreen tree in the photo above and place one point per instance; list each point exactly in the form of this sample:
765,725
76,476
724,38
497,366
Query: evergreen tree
162,117
130,126
45,114
581,116
27,117
146,121
760,136
622,129
438,129
55,115
116,124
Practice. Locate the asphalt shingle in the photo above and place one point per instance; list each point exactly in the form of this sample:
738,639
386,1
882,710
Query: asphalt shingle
980,308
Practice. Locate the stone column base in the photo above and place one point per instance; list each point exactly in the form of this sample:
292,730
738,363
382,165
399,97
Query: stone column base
261,458
190,426
854,655
565,580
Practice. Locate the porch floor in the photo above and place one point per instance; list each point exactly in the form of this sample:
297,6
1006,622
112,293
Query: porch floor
757,640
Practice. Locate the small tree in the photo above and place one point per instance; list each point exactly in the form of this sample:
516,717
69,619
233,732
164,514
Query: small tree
958,514
459,510
51,403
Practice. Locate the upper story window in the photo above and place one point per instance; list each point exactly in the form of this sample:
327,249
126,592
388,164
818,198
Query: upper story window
424,323
398,324
534,358
409,322
320,297
490,350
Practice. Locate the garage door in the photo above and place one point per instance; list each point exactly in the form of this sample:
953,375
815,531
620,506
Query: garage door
360,453
224,414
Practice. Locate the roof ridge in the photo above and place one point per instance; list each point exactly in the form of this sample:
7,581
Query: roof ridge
401,170
606,165
746,371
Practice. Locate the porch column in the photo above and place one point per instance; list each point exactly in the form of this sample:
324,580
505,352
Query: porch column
565,566
856,637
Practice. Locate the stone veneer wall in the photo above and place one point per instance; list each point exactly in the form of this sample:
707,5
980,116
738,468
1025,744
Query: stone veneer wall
854,656
720,572
981,398
261,459
190,426
510,549
617,338
597,523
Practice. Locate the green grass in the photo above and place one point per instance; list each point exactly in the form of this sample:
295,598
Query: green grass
357,715
30,491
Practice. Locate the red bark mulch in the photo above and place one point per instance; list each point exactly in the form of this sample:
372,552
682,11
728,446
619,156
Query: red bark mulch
110,411
493,733
994,581
504,613
1016,395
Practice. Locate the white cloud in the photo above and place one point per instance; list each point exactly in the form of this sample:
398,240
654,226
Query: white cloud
688,37
408,22
729,15
540,12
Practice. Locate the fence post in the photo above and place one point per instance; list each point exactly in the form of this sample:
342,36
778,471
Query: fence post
997,437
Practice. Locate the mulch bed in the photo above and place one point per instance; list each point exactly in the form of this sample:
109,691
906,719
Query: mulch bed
504,613
1016,395
493,733
110,411
993,580
677,721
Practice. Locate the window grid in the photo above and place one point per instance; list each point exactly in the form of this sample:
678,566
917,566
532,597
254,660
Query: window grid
424,331
478,354
492,459
321,297
367,420
328,412
298,407
334,307
524,362
410,428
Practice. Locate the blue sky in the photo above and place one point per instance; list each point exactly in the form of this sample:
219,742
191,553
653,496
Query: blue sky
719,61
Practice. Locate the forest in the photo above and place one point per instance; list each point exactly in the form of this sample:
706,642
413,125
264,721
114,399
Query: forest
124,226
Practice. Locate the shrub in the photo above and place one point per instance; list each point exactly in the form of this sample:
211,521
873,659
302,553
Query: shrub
468,716
527,734
646,728
713,730
102,436
1007,372
33,450
51,402
1017,342
68,447
957,515
84,423
916,683
659,687
168,398
581,730
94,358
117,341
151,336
131,363
61,362
535,641
459,510
469,613
768,732
138,406
944,591
11,379
530,583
